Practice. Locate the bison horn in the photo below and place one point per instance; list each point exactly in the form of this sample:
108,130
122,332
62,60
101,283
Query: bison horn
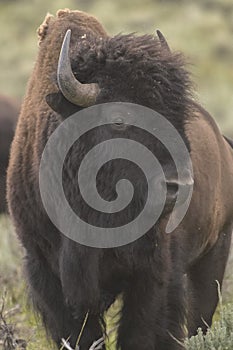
163,41
83,95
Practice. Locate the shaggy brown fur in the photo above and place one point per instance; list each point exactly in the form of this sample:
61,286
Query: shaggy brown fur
164,279
9,110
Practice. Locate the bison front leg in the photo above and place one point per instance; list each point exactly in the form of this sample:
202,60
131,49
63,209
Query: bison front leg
47,297
79,272
202,277
145,322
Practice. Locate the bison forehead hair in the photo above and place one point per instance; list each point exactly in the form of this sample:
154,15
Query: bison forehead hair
156,77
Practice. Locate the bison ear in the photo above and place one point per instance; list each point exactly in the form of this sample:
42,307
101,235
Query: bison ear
59,104
43,28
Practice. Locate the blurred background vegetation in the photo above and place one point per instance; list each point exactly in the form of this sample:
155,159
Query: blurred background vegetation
201,29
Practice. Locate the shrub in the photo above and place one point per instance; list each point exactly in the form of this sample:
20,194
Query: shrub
219,336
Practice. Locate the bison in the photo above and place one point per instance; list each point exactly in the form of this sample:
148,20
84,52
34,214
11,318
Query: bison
167,282
9,110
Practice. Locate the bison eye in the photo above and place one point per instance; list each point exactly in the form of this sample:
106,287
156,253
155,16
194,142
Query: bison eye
119,124
118,121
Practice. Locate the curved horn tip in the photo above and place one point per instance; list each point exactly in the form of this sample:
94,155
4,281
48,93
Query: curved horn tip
67,35
65,44
159,33
77,93
64,49
162,40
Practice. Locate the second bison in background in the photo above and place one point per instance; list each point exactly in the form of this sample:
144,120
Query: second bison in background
167,281
9,111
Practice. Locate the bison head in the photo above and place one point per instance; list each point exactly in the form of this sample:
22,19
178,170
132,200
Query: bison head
92,69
